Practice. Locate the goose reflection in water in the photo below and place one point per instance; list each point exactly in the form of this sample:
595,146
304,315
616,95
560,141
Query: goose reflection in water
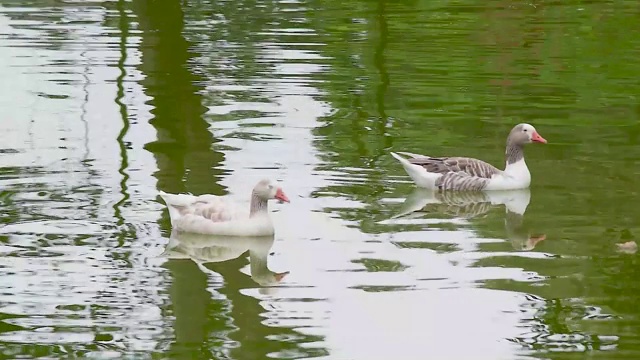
214,249
469,205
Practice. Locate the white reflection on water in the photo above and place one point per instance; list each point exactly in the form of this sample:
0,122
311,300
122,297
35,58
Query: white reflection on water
429,307
77,276
94,267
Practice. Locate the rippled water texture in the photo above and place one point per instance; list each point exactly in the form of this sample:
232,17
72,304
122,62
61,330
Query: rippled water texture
104,104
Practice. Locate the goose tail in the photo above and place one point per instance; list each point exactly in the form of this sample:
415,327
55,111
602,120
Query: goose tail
420,176
176,204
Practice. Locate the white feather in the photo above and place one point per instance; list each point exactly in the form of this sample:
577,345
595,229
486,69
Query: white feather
216,215
418,174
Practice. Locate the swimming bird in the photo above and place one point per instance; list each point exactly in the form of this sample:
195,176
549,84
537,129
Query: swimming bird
217,215
469,174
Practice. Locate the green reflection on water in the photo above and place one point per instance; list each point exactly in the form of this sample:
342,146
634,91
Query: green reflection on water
430,77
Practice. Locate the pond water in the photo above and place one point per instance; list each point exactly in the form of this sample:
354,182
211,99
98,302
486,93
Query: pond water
104,104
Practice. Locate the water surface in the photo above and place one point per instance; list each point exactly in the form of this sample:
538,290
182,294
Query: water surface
107,103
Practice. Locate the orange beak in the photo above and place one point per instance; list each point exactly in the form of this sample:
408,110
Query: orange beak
537,138
281,196
536,239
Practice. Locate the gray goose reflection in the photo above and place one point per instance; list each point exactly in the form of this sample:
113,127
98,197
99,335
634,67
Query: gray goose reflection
475,204
213,249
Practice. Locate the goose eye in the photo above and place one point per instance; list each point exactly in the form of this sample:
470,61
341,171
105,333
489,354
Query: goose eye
525,130
270,187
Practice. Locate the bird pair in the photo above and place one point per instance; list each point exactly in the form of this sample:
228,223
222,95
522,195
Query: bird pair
215,215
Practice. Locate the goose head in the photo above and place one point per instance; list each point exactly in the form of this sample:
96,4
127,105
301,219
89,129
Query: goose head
267,190
524,134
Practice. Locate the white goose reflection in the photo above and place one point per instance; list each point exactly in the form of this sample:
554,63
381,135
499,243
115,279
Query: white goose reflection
214,249
474,204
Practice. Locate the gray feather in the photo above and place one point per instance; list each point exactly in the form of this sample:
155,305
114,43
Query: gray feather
444,165
461,181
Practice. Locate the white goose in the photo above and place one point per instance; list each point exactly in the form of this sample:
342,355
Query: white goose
463,173
215,215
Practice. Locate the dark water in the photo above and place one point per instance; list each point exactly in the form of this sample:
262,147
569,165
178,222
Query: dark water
106,103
